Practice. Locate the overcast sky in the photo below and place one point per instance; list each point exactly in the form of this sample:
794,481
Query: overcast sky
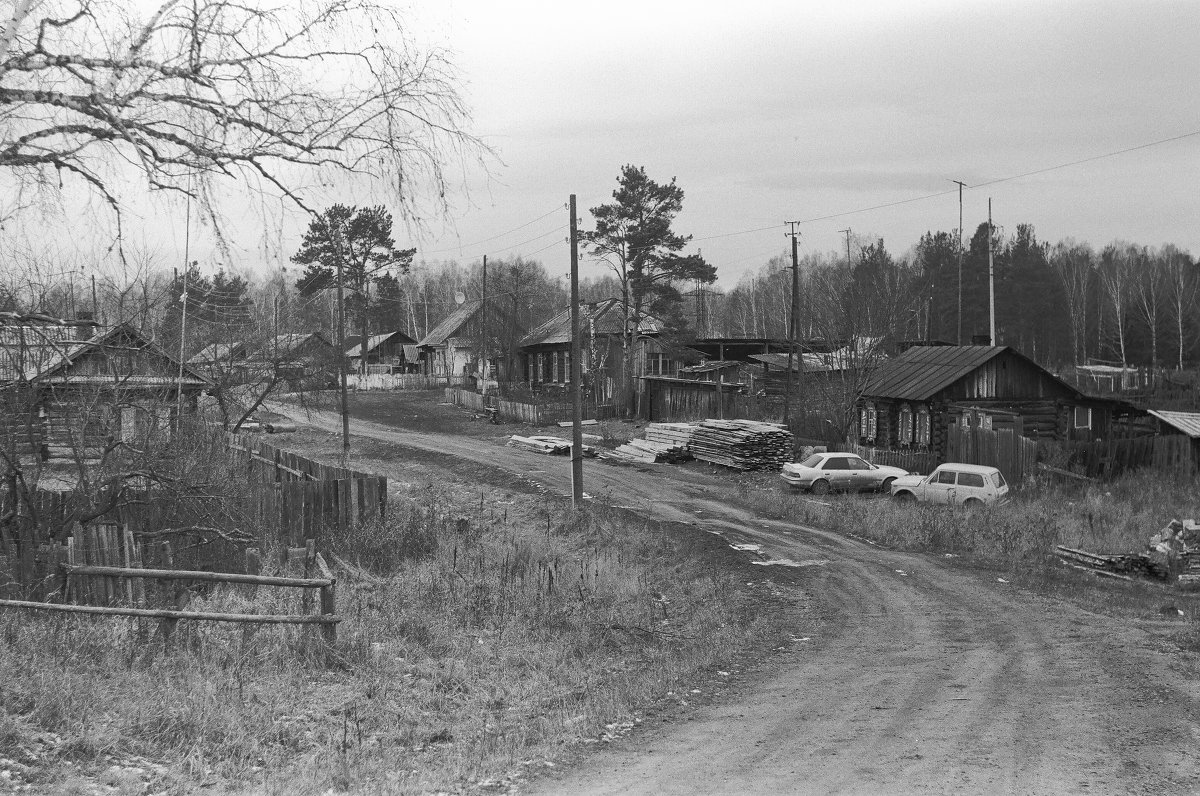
768,112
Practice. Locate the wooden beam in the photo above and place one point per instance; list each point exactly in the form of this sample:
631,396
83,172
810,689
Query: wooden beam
214,577
153,613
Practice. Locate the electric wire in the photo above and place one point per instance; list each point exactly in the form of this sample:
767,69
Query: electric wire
495,237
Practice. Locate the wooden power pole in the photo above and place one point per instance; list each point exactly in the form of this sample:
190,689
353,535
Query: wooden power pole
793,321
576,372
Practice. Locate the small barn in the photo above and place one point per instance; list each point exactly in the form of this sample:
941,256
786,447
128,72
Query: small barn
912,400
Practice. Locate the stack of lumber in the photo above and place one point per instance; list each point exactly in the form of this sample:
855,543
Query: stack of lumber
1120,565
551,445
640,450
555,446
742,444
674,434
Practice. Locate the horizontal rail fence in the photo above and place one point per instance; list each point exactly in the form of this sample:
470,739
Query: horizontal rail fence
535,414
99,571
295,498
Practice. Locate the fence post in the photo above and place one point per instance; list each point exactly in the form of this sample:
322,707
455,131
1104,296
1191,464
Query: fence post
328,600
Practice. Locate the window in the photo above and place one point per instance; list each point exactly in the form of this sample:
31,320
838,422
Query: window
812,461
659,365
1083,417
945,477
868,420
922,432
997,479
970,479
857,464
836,463
905,433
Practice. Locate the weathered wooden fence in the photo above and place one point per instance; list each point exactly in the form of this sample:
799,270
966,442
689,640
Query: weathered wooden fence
1006,450
535,414
400,381
1110,458
295,497
922,462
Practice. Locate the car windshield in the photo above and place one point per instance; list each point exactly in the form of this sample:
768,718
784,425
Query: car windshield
811,461
997,479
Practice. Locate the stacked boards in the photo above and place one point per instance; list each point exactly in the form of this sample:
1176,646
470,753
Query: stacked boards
742,444
664,442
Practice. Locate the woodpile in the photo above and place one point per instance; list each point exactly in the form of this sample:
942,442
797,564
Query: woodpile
673,434
742,444
643,450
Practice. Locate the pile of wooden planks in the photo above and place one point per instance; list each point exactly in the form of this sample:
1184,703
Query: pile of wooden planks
742,444
554,446
673,434
641,450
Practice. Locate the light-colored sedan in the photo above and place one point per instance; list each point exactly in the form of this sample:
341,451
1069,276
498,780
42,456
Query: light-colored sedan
822,473
968,485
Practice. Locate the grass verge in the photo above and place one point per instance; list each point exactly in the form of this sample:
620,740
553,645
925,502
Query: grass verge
476,642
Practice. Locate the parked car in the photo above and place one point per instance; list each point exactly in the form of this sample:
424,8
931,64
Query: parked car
841,472
968,485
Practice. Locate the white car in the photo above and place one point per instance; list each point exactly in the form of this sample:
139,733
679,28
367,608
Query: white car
968,485
822,473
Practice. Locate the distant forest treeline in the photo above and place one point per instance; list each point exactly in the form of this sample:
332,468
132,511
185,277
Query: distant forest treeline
1061,304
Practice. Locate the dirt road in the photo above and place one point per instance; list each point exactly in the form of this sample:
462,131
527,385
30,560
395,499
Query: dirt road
922,677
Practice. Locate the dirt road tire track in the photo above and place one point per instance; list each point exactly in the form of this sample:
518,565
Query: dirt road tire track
923,679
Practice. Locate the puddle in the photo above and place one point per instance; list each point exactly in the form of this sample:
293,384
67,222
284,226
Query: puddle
787,562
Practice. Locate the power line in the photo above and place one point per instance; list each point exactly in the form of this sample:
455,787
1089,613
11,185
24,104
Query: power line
495,237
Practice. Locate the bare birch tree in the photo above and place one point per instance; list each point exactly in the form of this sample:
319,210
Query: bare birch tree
1074,265
189,95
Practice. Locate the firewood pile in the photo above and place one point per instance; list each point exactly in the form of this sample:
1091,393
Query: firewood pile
742,444
1170,555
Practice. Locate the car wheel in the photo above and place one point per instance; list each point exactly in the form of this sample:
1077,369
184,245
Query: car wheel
905,497
886,486
972,504
820,487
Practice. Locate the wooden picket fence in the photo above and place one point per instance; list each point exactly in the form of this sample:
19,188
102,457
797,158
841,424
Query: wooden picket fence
921,462
400,381
1110,458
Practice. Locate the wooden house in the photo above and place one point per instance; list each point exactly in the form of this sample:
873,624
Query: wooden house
69,397
388,350
545,353
456,346
911,401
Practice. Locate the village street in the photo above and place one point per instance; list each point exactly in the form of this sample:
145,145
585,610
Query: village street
918,677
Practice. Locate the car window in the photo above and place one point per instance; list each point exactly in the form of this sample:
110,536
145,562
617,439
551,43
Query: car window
944,477
857,464
997,479
970,479
811,461
835,463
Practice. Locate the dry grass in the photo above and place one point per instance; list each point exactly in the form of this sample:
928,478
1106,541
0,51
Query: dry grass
473,644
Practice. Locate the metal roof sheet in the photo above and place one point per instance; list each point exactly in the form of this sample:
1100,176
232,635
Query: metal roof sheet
451,323
923,371
599,316
1186,422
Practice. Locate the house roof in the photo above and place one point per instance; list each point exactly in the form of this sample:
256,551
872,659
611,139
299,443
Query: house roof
218,352
451,323
599,316
50,361
708,367
1185,422
812,362
376,340
923,371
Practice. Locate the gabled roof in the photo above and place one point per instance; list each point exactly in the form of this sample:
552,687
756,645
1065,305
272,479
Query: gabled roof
604,317
451,323
923,371
1184,422
51,361
376,340
812,362
218,352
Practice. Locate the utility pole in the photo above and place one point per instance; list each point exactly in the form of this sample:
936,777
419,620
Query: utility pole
794,321
341,342
847,231
483,334
95,303
991,278
182,341
960,185
576,372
